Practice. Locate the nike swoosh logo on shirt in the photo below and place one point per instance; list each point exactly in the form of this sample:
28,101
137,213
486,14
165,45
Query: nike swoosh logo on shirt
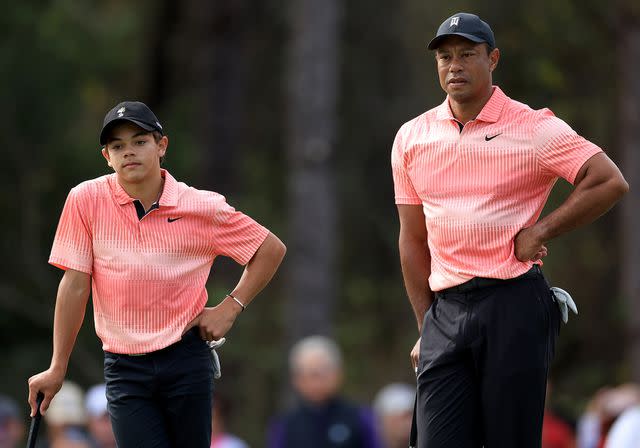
174,219
487,138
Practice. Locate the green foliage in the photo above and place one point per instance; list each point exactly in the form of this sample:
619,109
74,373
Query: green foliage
64,63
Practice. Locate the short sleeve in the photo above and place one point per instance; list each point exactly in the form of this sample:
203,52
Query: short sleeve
560,150
72,244
235,234
405,193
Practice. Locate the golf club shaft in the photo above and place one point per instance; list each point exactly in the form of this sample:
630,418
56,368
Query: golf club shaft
35,422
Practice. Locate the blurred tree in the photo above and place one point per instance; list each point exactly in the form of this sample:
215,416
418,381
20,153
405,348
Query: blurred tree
628,58
312,78
291,106
202,44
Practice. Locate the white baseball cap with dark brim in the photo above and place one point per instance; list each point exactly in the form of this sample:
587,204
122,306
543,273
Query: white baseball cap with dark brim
95,400
466,25
67,406
132,111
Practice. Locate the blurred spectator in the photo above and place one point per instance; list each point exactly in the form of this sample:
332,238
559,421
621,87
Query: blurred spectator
98,423
556,432
393,407
625,432
220,438
66,418
12,428
589,426
602,411
322,418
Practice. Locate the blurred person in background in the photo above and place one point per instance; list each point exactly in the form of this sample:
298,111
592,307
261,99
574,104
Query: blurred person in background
98,423
12,428
220,438
589,424
625,431
556,432
66,418
393,407
602,412
322,418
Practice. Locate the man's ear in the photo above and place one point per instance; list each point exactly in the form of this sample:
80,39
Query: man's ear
105,154
494,56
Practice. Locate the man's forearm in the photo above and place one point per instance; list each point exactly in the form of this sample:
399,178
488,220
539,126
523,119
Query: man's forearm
260,269
71,303
415,261
585,204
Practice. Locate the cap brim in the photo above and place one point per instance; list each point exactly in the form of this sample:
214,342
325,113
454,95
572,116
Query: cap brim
107,127
435,42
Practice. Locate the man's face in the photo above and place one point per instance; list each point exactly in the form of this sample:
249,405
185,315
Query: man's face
316,378
133,152
464,68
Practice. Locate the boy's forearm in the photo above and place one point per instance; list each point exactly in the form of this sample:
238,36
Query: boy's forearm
260,269
71,303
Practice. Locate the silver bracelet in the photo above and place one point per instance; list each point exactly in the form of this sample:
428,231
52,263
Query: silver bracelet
237,301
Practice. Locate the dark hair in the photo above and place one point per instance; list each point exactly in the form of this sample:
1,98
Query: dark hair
157,136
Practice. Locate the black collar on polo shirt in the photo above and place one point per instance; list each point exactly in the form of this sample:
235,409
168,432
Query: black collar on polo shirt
140,208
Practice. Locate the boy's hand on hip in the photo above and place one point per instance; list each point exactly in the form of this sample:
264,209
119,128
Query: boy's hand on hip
215,322
528,246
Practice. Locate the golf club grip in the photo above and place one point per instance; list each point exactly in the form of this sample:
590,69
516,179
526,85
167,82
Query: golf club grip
35,422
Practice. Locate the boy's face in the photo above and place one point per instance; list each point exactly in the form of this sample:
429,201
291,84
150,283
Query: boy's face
133,153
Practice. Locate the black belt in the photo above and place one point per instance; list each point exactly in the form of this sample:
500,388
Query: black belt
481,282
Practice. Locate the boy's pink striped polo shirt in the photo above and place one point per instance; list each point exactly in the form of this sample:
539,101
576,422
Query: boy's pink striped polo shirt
480,186
149,274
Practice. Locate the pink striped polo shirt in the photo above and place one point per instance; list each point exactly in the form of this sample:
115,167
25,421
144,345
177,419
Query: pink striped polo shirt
478,187
149,274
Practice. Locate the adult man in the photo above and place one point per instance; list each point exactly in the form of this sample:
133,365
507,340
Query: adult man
393,407
11,426
98,423
322,418
66,418
145,243
471,178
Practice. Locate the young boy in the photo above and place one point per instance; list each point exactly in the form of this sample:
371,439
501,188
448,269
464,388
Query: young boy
144,243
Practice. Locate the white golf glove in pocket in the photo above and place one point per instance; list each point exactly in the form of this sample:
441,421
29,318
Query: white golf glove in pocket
565,302
213,345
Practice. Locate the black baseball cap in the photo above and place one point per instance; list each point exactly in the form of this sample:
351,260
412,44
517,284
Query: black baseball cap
469,26
133,111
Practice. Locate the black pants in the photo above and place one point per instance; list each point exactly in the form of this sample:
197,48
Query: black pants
162,399
484,360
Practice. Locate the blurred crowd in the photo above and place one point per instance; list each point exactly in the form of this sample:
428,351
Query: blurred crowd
611,419
322,416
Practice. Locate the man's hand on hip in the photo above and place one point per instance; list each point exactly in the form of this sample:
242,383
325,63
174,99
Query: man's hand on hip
528,246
